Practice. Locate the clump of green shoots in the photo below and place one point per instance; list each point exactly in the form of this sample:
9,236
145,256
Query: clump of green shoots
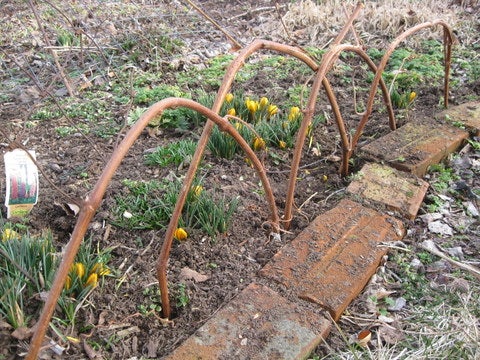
174,153
85,274
150,204
259,122
27,266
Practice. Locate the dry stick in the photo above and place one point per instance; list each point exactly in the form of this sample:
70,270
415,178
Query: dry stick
129,106
348,25
234,42
92,202
431,247
352,29
54,99
61,12
256,10
282,22
302,132
64,77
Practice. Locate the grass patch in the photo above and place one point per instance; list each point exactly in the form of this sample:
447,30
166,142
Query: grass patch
174,153
150,204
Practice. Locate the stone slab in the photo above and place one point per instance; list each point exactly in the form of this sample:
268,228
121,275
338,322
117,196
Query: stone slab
331,261
415,146
257,324
384,186
467,114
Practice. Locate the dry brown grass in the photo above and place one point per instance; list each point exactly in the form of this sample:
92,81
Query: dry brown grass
319,21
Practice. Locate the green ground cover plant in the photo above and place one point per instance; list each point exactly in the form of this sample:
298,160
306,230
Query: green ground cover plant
174,153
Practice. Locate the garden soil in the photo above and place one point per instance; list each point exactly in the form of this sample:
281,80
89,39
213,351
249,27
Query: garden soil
113,326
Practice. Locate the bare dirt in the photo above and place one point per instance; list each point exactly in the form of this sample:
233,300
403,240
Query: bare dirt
113,327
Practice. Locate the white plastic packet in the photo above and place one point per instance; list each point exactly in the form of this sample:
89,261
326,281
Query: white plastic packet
22,182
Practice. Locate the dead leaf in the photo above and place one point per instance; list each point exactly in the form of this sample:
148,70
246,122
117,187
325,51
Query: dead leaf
75,209
316,151
390,334
22,333
91,353
399,304
152,348
4,325
382,293
126,332
386,319
189,274
333,158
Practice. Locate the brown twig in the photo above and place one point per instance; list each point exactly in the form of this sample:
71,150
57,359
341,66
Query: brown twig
235,43
55,101
131,93
431,247
277,7
448,40
63,75
62,13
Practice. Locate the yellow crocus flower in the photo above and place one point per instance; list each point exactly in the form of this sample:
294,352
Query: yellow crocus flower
9,234
272,110
68,283
105,271
412,96
79,269
100,269
258,143
294,113
282,144
180,234
231,112
197,190
263,102
252,106
229,98
92,280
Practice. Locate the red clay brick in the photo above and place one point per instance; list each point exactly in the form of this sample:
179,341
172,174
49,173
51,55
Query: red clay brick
387,187
468,114
257,324
331,261
415,146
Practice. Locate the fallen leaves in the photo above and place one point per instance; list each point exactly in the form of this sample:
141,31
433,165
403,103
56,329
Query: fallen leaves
189,274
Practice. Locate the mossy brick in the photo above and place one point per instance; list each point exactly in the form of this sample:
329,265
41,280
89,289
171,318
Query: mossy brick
331,261
467,114
386,187
415,146
257,324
